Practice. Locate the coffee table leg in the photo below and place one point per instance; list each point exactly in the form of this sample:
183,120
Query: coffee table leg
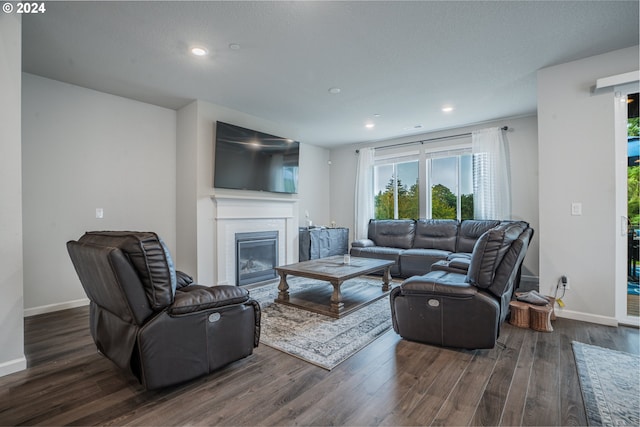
283,287
336,297
386,279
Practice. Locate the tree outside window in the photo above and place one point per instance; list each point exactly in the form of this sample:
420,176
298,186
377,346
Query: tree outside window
449,192
395,199
451,180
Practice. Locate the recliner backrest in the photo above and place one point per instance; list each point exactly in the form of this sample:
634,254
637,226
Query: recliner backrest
489,251
150,258
395,233
110,281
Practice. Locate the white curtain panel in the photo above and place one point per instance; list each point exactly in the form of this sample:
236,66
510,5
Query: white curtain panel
364,192
491,174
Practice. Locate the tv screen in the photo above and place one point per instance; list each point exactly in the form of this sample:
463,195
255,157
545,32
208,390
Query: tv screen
246,159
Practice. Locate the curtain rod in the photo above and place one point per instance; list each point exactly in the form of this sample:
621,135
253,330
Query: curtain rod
422,141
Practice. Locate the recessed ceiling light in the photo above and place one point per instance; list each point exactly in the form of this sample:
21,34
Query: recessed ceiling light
335,90
376,115
417,127
447,109
370,125
199,51
234,46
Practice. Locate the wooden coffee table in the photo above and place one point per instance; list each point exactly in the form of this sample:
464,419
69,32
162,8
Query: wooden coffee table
335,271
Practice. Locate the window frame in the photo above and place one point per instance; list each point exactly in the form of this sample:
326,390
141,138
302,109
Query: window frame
424,155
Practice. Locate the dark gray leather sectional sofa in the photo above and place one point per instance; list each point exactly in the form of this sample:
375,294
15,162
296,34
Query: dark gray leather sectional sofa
416,245
454,307
460,276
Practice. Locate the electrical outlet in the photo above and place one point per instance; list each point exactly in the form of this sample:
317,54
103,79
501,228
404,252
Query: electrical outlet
565,282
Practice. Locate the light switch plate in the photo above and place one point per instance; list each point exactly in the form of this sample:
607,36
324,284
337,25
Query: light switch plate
576,208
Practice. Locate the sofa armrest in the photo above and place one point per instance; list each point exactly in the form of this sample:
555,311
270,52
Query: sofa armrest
363,243
194,298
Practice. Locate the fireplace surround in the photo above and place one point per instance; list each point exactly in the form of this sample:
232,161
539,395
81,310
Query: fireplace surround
244,214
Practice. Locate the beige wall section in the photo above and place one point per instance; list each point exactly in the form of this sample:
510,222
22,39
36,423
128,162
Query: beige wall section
195,145
12,357
84,150
576,159
522,138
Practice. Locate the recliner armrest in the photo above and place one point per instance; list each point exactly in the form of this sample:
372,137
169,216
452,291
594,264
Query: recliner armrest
452,265
194,298
363,243
438,283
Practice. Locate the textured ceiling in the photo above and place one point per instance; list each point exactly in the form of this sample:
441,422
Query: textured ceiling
401,60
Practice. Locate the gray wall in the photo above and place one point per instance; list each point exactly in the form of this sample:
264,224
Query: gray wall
577,164
522,138
11,265
84,150
148,167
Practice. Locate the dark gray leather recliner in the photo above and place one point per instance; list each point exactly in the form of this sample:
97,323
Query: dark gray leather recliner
151,319
464,310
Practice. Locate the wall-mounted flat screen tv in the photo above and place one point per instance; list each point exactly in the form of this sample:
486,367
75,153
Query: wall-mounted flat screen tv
246,159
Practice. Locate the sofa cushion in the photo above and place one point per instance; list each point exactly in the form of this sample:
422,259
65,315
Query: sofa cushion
436,234
394,233
470,231
489,250
150,258
419,261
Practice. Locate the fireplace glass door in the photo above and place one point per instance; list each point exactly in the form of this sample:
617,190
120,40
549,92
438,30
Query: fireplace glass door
256,257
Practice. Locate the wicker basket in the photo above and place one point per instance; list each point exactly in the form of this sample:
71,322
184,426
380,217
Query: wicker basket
552,303
540,318
519,314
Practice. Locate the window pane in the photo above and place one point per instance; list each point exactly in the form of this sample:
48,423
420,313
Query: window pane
444,176
384,192
408,191
466,186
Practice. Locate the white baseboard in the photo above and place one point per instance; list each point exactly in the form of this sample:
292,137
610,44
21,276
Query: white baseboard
586,317
529,278
55,307
12,366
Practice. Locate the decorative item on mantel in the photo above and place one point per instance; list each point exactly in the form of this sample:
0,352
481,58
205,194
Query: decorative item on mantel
308,221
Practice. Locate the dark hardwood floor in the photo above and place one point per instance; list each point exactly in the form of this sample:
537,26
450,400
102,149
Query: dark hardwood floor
529,380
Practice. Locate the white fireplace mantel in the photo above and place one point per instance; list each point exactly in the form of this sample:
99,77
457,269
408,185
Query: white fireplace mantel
240,214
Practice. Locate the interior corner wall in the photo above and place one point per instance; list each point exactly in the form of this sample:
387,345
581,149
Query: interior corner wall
186,185
195,145
12,358
523,149
82,150
576,161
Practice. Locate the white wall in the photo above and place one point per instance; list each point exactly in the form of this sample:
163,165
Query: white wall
84,150
12,357
314,185
195,143
577,164
522,138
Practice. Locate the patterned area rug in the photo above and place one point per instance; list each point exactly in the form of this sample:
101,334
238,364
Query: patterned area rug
315,338
610,383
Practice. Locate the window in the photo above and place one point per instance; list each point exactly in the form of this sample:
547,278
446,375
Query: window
446,192
450,187
397,190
